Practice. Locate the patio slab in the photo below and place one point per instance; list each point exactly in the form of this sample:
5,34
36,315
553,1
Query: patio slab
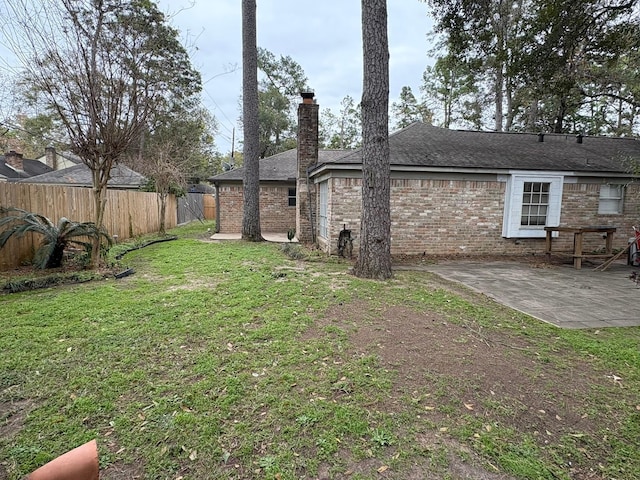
556,294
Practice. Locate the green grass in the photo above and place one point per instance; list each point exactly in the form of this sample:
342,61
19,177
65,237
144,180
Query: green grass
206,364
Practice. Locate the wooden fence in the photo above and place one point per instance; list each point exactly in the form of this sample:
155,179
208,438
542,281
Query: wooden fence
209,207
127,213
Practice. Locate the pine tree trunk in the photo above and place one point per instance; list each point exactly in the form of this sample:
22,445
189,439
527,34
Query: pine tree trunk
374,260
251,179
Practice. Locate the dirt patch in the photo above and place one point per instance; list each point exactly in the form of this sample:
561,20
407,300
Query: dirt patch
453,370
12,416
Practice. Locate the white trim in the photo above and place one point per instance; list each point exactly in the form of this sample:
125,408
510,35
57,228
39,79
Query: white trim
609,204
511,227
323,222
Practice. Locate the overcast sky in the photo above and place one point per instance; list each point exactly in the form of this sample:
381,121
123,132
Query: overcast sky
324,37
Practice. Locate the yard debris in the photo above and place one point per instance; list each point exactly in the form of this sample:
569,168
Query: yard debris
616,379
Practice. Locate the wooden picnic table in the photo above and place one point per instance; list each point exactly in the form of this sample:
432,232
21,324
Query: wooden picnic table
577,254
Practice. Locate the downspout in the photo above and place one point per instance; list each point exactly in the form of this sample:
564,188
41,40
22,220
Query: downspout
313,227
216,184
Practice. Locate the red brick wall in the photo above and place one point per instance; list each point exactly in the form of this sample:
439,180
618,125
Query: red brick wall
275,213
580,207
464,217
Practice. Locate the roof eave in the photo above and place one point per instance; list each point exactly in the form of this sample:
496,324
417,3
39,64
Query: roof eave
480,170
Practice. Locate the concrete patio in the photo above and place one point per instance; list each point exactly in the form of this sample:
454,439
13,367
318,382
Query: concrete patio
557,294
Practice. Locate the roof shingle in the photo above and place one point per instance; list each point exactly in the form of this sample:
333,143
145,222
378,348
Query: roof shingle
280,167
422,145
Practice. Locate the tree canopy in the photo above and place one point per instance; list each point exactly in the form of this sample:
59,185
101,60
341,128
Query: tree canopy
559,66
109,70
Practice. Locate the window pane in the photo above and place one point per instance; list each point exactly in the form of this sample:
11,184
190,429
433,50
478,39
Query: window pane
611,199
535,202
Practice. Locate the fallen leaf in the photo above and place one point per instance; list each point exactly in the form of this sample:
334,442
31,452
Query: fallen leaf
429,408
487,428
383,468
558,418
541,411
193,455
469,406
443,429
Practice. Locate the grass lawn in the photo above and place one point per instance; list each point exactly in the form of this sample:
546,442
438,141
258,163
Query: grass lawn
235,360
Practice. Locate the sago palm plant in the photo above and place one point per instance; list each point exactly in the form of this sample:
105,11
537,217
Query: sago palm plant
55,237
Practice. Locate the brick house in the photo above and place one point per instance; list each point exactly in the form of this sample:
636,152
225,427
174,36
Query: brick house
278,193
459,192
284,192
453,192
13,167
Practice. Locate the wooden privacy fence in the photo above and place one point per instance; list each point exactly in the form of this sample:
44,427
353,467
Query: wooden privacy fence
127,214
196,206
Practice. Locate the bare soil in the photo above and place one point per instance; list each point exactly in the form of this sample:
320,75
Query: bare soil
453,370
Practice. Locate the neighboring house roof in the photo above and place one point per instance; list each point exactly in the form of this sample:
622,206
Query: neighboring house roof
80,176
30,169
200,188
280,167
64,159
421,145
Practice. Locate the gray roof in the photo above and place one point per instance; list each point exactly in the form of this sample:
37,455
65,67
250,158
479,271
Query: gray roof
80,175
280,167
66,154
30,169
421,145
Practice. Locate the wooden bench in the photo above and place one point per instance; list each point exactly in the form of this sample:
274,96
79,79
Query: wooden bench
577,254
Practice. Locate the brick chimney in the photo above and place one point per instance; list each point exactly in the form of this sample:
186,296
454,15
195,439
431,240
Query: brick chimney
14,160
307,158
52,157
